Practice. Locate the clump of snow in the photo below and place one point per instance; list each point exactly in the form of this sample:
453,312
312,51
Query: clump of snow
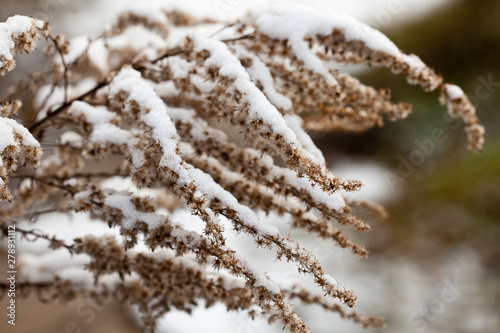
180,67
166,89
104,133
77,47
25,184
15,25
136,38
98,54
9,129
453,92
91,114
71,138
294,23
205,86
412,60
126,184
71,182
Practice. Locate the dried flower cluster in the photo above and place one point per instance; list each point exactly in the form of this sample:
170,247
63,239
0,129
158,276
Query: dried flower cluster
139,106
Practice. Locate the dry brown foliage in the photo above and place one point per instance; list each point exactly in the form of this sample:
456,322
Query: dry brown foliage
147,94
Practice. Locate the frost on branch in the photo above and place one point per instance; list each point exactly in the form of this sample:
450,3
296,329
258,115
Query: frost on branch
133,116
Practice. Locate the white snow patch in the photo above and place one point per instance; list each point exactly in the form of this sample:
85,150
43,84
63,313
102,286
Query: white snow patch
454,92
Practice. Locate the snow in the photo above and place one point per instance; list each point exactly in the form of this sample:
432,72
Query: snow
130,213
76,48
180,67
412,60
136,38
294,23
104,133
71,138
49,97
126,184
211,190
200,130
260,276
260,73
205,86
92,114
295,123
45,266
259,106
333,201
25,184
71,182
15,25
453,92
373,176
153,114
166,89
66,226
98,55
97,52
215,319
9,128
148,10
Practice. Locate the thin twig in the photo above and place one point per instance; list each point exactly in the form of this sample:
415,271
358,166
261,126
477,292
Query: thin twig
66,69
38,235
249,35
60,109
170,53
229,25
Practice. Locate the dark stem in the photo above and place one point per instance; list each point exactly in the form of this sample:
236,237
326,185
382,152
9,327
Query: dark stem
65,73
63,107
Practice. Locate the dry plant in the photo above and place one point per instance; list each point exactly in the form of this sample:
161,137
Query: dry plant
148,94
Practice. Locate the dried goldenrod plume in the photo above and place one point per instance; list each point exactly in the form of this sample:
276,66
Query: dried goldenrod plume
128,125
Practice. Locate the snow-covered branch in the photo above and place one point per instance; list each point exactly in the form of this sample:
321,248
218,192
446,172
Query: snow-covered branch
135,126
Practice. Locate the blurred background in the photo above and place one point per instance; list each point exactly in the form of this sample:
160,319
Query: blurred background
435,263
